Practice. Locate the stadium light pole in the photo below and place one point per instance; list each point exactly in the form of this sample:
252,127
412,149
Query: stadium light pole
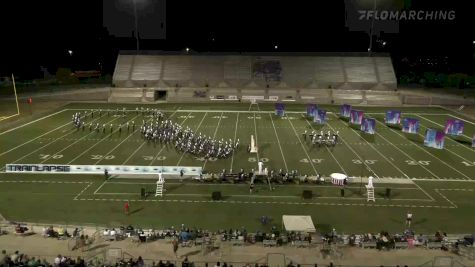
136,25
370,47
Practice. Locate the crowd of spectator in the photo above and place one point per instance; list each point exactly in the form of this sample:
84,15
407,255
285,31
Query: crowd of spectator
17,259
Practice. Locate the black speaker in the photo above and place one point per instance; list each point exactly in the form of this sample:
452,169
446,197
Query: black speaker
342,192
307,194
388,192
216,195
142,192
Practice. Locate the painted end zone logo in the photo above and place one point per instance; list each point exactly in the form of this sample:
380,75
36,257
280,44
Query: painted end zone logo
37,168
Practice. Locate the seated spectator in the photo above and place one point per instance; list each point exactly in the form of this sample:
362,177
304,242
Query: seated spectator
106,232
57,261
15,257
76,232
113,232
50,232
20,229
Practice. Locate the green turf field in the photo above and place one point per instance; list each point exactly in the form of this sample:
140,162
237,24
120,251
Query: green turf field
436,185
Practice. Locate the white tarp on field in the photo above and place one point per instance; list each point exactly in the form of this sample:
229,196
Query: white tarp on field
298,223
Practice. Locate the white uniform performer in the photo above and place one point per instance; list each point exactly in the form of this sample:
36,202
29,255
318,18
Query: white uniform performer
260,165
370,182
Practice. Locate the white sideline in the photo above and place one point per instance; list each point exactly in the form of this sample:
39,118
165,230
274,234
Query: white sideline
28,123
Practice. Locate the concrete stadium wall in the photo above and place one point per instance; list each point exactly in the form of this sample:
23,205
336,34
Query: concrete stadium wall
96,94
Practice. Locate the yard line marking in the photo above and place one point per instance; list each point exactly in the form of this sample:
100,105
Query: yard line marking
428,153
214,136
384,157
447,149
356,154
108,153
100,141
460,119
442,195
82,191
31,140
143,142
68,146
234,142
47,144
422,166
99,188
301,144
278,141
199,125
165,145
28,123
468,148
273,202
255,132
331,154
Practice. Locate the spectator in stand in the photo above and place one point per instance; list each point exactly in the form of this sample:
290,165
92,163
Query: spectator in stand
140,262
15,257
57,261
3,258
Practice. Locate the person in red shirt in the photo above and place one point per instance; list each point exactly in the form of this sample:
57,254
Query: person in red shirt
126,208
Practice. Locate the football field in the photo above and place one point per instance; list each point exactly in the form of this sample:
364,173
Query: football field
436,185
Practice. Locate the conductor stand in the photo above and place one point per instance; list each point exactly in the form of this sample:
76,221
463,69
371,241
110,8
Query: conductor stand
370,190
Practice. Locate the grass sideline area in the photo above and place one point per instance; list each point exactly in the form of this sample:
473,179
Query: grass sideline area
438,191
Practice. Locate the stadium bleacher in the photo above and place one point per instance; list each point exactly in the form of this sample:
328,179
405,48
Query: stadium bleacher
287,76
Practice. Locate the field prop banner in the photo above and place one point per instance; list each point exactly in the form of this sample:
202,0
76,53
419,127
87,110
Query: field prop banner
434,138
320,117
393,117
368,126
356,116
410,125
454,127
345,111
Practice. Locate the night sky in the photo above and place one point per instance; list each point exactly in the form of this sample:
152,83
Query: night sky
40,33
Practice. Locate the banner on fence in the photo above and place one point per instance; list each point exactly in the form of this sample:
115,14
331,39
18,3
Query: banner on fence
434,138
368,125
454,127
356,116
410,125
393,117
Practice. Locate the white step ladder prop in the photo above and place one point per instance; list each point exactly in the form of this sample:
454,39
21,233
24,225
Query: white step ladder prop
160,184
370,194
370,190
